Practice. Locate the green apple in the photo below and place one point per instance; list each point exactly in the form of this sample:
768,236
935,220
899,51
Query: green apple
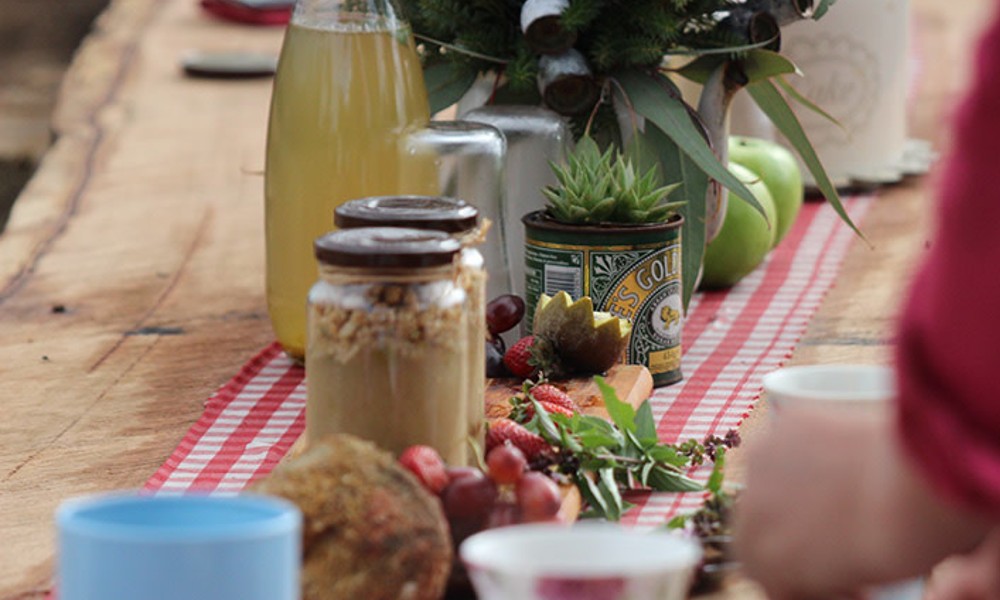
780,172
745,238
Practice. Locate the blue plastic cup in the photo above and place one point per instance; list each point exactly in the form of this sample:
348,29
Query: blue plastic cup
131,547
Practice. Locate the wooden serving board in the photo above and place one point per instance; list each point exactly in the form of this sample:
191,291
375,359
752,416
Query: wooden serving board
633,383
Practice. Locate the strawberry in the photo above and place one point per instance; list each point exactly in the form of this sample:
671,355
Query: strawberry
505,430
550,408
552,399
518,359
427,465
524,410
548,393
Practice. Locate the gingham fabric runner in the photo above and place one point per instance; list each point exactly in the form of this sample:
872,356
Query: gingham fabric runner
731,339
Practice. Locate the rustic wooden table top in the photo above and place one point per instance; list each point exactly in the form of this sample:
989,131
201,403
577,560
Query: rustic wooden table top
131,273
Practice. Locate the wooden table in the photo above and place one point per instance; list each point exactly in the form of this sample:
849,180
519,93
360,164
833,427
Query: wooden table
131,273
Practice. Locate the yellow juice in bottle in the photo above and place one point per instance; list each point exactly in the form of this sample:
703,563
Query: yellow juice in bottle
344,94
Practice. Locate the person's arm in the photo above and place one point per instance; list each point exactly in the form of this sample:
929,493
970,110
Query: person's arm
949,347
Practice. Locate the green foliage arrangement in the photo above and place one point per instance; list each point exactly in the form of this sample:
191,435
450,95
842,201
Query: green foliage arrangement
593,60
611,35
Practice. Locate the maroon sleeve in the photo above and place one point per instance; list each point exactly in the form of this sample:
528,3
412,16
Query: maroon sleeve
948,356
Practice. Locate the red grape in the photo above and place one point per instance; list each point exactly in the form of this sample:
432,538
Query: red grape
497,342
494,361
467,503
456,473
503,313
538,497
507,464
503,514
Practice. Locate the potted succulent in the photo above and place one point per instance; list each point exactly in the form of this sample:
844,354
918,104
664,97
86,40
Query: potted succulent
610,234
602,65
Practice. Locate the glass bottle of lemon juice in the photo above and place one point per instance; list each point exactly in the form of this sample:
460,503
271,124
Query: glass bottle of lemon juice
347,88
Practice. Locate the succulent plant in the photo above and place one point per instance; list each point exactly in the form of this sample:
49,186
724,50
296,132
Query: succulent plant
605,187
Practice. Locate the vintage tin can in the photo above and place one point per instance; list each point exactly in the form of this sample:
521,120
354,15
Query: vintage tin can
629,271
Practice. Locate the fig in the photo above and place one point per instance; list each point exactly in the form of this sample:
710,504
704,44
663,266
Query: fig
586,341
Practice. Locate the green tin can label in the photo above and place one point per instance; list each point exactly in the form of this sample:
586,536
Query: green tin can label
638,281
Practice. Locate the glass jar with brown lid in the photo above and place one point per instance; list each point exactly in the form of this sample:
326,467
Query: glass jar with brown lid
461,221
386,357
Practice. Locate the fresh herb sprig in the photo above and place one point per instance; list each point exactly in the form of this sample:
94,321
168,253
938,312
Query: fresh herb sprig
712,525
605,459
713,518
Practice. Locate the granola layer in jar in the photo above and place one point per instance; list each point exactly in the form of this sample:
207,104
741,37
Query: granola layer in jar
386,358
461,221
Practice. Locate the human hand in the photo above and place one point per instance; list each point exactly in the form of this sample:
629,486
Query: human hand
832,505
800,522
974,576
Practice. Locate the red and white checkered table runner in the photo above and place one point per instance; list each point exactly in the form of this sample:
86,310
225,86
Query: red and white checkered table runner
731,339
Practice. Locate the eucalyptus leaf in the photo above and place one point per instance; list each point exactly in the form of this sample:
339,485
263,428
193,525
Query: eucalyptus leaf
806,102
641,152
677,166
774,105
822,7
757,65
765,64
446,85
656,98
727,51
699,69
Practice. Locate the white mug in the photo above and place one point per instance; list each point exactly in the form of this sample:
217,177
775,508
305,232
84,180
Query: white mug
841,386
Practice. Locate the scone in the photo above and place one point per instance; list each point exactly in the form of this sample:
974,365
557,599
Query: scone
370,529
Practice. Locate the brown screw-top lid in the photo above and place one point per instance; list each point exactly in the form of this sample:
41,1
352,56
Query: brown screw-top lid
386,247
419,212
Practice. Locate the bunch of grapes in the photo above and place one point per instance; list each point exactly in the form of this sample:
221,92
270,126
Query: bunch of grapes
506,494
503,313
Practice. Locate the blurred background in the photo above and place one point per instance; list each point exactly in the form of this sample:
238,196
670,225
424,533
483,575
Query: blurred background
37,42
